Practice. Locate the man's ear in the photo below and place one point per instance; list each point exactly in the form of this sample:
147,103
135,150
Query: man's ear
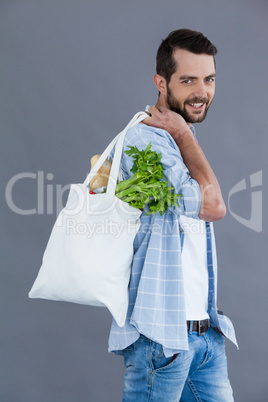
160,83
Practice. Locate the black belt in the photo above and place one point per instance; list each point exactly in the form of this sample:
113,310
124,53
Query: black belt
199,326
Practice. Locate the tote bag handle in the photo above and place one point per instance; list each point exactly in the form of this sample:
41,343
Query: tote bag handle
118,142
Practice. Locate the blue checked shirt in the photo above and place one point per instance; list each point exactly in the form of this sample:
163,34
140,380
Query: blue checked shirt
156,290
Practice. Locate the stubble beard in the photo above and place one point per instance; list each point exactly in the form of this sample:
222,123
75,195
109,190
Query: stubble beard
175,106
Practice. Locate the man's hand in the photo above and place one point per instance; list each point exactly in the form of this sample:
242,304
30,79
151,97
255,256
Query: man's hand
172,122
212,206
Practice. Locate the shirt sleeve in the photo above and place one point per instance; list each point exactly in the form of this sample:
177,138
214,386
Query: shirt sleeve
174,168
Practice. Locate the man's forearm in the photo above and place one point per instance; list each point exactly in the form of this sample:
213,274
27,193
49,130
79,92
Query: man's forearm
212,205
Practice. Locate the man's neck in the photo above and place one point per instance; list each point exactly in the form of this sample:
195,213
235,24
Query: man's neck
161,102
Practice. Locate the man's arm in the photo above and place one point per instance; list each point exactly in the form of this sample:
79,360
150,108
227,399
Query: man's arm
212,205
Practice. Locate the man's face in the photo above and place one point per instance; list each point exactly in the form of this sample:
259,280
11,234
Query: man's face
191,88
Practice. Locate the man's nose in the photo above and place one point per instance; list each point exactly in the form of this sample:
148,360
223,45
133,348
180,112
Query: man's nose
200,90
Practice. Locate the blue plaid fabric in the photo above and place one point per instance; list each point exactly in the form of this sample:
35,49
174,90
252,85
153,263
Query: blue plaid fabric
156,290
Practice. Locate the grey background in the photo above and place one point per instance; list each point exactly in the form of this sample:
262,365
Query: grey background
72,74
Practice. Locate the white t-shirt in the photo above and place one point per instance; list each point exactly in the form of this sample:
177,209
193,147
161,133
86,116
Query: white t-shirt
194,265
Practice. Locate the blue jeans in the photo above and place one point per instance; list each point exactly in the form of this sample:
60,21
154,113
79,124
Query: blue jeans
198,374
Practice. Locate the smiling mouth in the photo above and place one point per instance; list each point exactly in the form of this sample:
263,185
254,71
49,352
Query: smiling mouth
196,106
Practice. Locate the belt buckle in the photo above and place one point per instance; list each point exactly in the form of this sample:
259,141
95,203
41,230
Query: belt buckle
202,329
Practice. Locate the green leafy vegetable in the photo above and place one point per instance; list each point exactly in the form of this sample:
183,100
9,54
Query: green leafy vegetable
146,185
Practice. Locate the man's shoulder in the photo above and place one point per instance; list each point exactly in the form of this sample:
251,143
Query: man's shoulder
143,131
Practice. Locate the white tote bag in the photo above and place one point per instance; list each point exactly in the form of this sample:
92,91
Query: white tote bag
89,253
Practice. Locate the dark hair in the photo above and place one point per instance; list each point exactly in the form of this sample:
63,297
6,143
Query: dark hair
187,39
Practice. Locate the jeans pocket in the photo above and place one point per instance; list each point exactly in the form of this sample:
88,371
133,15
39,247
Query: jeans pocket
160,361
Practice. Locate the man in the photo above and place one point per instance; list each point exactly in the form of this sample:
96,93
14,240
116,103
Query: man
173,339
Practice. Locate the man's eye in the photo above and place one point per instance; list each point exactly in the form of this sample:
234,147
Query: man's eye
187,81
210,79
